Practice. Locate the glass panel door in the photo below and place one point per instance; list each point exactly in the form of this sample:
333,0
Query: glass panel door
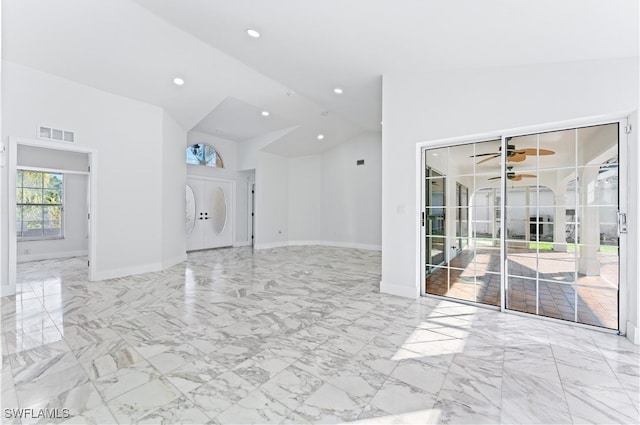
559,195
467,267
561,229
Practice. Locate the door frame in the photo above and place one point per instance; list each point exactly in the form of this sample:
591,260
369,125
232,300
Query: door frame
251,213
623,204
92,173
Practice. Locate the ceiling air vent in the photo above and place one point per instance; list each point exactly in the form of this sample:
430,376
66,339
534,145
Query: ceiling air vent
51,133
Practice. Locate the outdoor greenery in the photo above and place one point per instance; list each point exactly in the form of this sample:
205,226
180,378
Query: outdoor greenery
548,246
38,203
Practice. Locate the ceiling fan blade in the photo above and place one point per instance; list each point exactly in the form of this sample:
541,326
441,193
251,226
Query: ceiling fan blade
528,176
516,178
517,157
534,151
493,178
488,159
545,152
485,154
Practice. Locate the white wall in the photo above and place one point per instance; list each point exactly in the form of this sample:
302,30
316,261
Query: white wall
633,312
321,199
305,199
272,201
6,287
352,194
128,138
174,179
448,104
75,226
34,156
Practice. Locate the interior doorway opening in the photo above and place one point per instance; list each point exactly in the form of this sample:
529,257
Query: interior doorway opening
38,214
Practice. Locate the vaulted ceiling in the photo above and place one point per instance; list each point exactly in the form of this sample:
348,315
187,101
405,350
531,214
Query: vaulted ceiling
307,48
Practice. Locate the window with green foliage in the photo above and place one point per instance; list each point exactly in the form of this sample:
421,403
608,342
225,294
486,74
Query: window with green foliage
39,205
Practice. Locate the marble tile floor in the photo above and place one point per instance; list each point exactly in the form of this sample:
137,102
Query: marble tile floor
294,335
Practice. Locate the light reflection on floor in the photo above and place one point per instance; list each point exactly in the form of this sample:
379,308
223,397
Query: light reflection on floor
294,335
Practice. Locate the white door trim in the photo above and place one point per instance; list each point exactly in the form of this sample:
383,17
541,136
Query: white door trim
251,186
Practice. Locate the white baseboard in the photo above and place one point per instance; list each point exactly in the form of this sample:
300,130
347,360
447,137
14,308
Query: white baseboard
305,243
338,244
50,255
400,290
241,243
368,247
174,260
271,245
126,271
633,333
6,290
319,243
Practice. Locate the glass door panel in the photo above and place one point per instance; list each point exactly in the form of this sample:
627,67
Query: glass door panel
462,226
561,217
436,217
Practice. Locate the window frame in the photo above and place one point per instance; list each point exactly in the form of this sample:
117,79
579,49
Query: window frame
61,205
206,149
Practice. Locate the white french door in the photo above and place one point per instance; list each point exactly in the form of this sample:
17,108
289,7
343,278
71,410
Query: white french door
209,213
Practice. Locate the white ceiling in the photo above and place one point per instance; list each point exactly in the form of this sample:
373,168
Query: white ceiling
239,121
135,47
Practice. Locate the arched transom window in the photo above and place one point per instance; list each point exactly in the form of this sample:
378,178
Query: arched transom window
202,154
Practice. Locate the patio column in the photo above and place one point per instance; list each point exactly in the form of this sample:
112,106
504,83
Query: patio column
559,222
589,227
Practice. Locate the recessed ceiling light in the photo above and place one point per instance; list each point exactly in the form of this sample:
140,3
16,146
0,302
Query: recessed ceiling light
178,81
290,93
265,113
253,33
320,136
337,90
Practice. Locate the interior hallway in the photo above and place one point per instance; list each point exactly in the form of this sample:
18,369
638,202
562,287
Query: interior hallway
295,335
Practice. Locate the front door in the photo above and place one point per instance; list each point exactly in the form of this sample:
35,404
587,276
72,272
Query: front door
209,213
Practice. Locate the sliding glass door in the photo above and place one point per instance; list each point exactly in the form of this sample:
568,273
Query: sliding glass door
559,194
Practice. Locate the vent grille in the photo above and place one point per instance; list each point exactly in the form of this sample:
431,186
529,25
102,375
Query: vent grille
50,133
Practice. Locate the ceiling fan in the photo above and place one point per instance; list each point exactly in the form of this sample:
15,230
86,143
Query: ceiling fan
513,154
511,175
